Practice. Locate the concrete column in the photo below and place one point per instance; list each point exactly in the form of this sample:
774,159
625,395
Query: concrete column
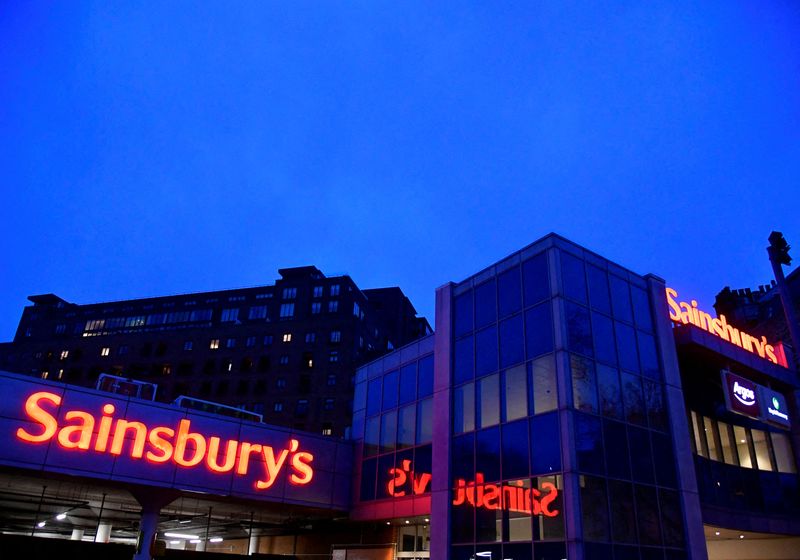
103,533
151,501
77,535
201,546
676,406
252,546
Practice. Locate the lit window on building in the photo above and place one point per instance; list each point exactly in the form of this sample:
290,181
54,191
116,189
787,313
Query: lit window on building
334,289
336,336
287,337
333,306
45,374
214,344
60,373
230,315
316,307
105,351
64,354
287,310
327,430
317,291
289,293
166,370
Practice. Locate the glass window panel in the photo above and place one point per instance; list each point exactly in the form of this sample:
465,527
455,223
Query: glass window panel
620,299
742,447
671,517
536,279
573,278
727,443
385,465
360,396
462,311
372,435
709,428
519,529
783,453
390,390
641,309
374,397
489,401
550,551
485,304
464,408
515,391
623,513
589,444
584,384
463,453
539,330
422,460
763,460
487,454
615,437
664,460
368,479
511,342
545,394
579,331
509,288
406,426
515,449
654,401
647,515
408,383
546,527
626,347
699,444
594,508
424,420
464,360
545,444
641,456
609,393
605,347
633,398
388,431
648,355
425,377
462,528
598,289
486,351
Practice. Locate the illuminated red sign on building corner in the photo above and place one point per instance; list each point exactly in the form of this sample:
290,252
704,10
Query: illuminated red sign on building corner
161,444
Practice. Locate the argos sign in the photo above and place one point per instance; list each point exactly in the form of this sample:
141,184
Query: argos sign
688,313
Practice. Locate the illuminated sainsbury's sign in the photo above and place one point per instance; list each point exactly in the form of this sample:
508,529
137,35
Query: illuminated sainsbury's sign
686,313
509,496
82,432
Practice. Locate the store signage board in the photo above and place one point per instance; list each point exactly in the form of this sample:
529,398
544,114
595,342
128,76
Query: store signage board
741,395
775,409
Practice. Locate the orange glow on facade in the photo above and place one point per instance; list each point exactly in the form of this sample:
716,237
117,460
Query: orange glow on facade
688,313
161,444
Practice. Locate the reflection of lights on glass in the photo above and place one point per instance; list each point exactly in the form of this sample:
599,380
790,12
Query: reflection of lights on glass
388,522
407,521
61,516
41,524
180,536
215,539
484,554
741,536
743,441
174,542
195,541
427,520
185,521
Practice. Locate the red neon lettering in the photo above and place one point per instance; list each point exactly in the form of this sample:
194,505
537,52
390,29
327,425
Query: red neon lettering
161,444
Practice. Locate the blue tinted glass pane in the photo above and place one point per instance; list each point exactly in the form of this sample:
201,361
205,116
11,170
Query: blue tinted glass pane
594,509
641,460
463,458
623,516
543,384
664,460
671,517
425,382
545,444
626,347
641,309
509,292
609,391
647,515
368,479
515,449
360,396
648,356
654,403
616,444
385,466
536,279
539,330
487,454
423,461
605,347
620,299
589,444
390,390
515,393
549,551
593,550
579,332
424,420
463,360
489,401
372,433
485,304
486,351
511,344
573,278
406,426
408,383
598,289
584,384
464,408
633,398
374,397
388,431
462,310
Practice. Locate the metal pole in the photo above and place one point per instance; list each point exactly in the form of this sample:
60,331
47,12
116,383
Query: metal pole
100,517
788,307
38,511
208,528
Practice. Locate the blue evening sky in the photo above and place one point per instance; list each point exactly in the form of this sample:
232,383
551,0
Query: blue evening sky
167,147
